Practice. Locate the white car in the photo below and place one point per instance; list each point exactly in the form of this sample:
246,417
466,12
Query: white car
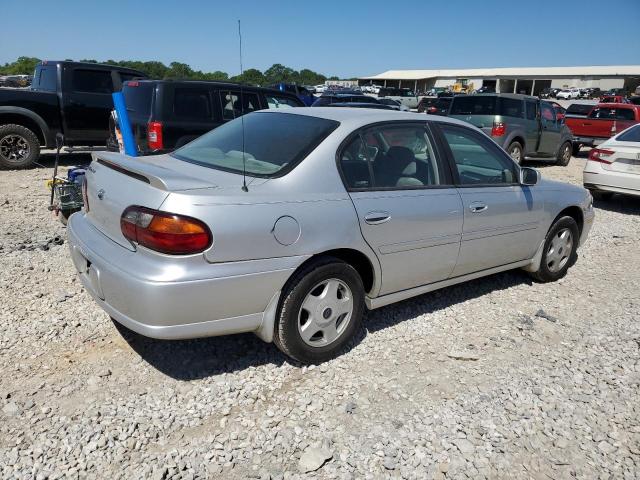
568,93
320,88
614,166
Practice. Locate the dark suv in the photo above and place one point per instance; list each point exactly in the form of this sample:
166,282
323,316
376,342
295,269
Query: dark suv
526,127
166,114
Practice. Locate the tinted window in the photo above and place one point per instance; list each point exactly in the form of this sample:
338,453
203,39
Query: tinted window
631,135
272,143
234,104
45,78
92,81
192,103
547,112
477,160
510,107
604,112
624,114
138,98
479,105
277,101
579,109
532,109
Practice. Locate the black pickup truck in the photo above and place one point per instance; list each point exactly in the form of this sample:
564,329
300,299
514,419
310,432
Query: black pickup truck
68,97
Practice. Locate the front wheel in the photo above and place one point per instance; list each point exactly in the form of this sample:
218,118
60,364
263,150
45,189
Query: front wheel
515,152
19,146
564,154
320,311
560,250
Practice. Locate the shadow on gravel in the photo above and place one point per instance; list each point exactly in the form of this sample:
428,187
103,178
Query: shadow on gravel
47,160
206,357
619,204
440,299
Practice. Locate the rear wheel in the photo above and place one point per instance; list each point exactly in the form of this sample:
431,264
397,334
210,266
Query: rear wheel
320,311
515,151
564,154
560,250
19,146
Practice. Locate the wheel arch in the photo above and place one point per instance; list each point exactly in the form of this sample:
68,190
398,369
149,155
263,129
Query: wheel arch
574,212
27,119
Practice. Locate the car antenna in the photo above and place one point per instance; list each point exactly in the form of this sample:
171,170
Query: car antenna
244,160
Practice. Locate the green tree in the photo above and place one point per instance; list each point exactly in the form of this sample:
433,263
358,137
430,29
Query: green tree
279,73
22,66
252,76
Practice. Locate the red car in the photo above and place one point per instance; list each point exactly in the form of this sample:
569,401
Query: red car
603,122
614,99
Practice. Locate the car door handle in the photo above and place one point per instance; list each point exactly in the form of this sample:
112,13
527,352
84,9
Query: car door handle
376,218
477,207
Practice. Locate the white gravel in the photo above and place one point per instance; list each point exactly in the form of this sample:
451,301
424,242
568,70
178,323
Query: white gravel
497,378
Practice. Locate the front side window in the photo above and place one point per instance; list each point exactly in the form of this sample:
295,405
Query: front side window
390,157
92,81
547,112
477,160
604,112
235,104
192,103
273,143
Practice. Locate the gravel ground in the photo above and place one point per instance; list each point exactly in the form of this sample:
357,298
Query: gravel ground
496,378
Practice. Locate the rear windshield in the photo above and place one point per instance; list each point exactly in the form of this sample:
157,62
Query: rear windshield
630,135
486,105
45,79
137,97
579,109
273,143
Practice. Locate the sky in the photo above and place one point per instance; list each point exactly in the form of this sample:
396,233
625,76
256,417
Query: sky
346,38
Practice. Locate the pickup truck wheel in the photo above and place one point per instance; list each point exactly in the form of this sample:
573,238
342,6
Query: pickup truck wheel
515,152
320,311
564,154
19,146
560,250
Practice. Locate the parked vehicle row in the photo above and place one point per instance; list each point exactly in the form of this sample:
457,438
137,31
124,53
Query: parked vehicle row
372,207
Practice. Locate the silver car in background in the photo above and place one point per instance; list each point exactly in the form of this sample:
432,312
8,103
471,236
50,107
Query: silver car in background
343,210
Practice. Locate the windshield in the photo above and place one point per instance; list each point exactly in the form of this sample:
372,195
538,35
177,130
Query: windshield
274,143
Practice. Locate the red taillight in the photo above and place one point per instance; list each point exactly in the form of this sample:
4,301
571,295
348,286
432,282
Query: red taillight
432,110
600,155
131,83
165,232
498,129
154,135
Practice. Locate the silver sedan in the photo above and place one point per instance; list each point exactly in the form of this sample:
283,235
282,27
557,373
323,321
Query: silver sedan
291,223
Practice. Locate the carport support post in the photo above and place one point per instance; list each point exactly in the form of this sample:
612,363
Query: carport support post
515,86
533,87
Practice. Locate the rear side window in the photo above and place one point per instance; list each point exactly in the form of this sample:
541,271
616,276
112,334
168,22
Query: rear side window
277,101
631,135
510,107
92,81
192,103
138,98
532,110
479,105
624,114
602,113
235,104
45,78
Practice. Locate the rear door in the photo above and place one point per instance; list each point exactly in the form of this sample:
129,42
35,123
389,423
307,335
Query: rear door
501,217
187,112
550,130
87,104
598,123
409,211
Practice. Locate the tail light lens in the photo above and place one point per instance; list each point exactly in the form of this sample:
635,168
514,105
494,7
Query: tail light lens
154,135
600,155
432,110
498,129
165,232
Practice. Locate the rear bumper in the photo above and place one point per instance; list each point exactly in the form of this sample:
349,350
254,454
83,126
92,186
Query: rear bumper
589,141
167,301
595,177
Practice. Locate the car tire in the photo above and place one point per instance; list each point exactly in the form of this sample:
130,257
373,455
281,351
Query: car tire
19,147
564,154
310,321
515,150
560,250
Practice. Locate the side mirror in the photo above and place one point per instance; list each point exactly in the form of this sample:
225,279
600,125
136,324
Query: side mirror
529,176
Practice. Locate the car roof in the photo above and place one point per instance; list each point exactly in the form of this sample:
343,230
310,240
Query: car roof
216,83
516,96
355,117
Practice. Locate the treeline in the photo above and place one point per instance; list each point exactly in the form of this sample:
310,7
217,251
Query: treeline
252,76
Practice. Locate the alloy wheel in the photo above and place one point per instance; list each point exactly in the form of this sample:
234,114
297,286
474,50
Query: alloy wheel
559,250
325,313
14,148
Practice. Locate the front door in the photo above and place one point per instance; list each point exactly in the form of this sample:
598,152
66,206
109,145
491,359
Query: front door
87,105
409,211
502,219
550,131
